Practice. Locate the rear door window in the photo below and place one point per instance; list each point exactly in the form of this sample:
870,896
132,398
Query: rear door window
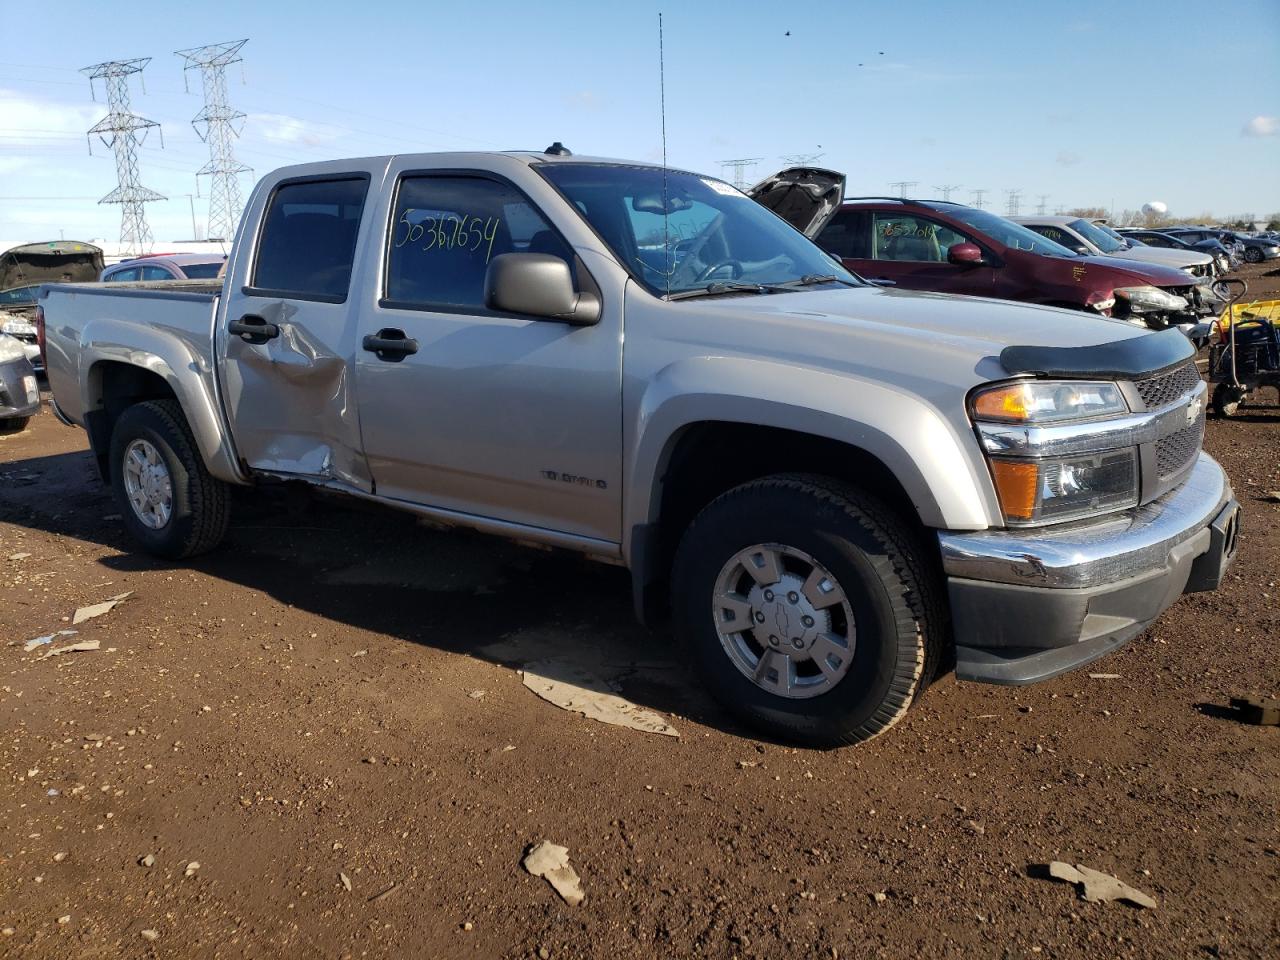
848,235
308,242
156,273
445,232
127,275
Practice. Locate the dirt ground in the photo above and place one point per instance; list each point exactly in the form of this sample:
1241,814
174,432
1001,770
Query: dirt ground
335,693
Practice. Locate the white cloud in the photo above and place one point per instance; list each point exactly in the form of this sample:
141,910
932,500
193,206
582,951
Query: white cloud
1261,126
586,100
25,120
282,128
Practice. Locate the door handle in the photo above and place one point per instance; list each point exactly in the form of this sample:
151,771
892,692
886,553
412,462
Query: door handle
390,344
252,328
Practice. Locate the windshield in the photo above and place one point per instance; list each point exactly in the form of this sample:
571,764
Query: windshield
1110,232
1005,232
706,233
201,271
1097,236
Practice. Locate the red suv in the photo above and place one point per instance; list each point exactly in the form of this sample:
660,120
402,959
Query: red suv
950,248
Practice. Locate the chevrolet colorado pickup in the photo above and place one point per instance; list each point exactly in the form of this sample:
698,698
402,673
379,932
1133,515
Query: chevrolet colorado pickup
838,490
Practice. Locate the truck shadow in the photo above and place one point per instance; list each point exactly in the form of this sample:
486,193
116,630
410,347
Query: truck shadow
378,569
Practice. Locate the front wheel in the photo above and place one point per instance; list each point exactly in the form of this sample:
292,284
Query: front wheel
170,503
809,609
14,425
1253,255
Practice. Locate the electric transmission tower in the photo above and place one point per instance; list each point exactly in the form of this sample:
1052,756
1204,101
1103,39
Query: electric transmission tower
739,168
977,197
122,131
947,189
803,159
1043,204
218,125
1013,202
903,186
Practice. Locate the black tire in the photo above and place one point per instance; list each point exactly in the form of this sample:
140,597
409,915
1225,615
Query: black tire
1227,399
1252,255
14,425
201,503
882,567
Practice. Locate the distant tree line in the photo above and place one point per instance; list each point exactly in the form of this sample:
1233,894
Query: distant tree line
1154,221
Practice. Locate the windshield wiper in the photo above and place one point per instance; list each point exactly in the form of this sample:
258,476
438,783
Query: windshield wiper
809,279
721,287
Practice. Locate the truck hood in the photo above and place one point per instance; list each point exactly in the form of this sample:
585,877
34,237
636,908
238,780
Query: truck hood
932,336
1165,256
57,261
805,197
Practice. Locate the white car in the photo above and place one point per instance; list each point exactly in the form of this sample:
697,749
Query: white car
1092,239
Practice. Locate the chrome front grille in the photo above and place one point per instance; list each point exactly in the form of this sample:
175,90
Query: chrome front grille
1176,452
1164,389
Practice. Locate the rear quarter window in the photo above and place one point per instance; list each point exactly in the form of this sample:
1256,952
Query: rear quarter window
307,245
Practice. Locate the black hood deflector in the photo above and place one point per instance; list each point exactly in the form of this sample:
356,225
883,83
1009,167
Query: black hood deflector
1138,356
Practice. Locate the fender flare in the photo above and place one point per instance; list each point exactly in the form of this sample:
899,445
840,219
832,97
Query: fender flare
940,468
165,355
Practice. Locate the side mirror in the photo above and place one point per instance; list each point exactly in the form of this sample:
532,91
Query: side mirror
965,255
539,285
1081,249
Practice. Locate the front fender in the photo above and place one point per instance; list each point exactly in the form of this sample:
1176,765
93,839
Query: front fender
940,468
182,360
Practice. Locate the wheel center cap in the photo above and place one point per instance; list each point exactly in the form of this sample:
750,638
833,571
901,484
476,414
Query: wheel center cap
787,621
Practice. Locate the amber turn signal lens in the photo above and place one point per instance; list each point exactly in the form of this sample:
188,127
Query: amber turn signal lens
1017,483
1003,403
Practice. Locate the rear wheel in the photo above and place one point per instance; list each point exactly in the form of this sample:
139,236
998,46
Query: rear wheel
14,425
170,503
808,609
1253,254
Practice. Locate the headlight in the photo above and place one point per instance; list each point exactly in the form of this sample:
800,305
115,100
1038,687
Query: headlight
1065,488
1048,401
1150,299
1032,417
16,327
10,349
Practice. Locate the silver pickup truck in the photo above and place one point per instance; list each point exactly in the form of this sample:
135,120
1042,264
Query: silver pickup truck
837,489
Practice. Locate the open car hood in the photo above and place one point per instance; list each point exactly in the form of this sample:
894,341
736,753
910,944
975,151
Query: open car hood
805,197
58,261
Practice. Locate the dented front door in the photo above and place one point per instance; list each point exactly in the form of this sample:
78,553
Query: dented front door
286,332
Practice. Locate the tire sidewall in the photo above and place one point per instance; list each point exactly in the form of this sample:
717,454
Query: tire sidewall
851,554
140,423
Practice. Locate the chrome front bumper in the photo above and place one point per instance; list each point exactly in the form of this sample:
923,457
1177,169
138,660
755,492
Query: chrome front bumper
1028,605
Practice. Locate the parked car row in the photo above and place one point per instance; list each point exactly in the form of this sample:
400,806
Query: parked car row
945,247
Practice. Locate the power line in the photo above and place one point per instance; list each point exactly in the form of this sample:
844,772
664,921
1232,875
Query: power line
1040,207
977,197
903,186
222,125
804,159
1013,200
119,130
947,189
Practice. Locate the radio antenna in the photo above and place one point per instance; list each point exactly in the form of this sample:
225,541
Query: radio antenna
662,108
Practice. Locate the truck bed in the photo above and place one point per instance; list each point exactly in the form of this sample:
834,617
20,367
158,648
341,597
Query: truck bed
167,322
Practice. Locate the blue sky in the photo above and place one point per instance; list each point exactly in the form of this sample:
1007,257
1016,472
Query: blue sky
1089,103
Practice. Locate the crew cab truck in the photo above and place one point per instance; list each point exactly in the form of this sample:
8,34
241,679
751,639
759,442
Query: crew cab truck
837,489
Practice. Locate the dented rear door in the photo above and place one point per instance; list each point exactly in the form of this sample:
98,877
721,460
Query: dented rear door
286,333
